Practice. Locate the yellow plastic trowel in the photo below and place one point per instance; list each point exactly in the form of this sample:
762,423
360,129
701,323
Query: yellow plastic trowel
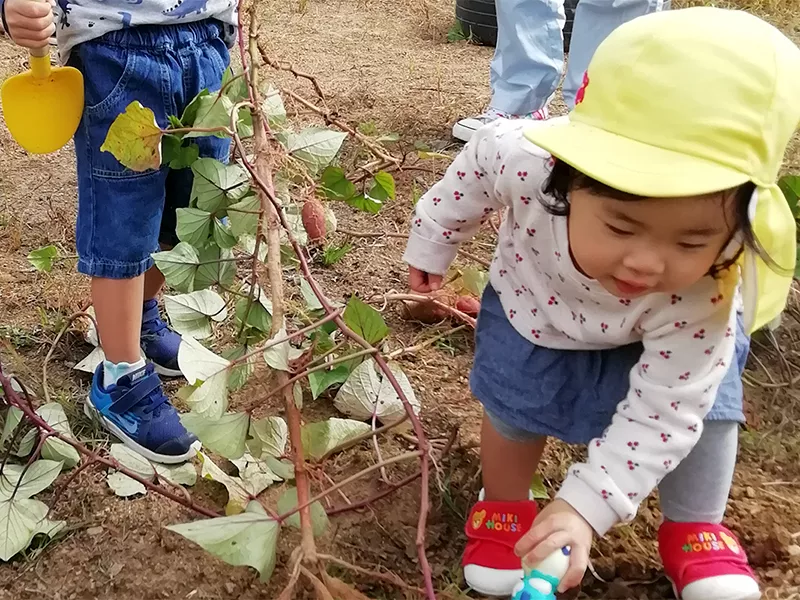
42,107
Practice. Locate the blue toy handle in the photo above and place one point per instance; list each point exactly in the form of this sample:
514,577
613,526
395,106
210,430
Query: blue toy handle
541,582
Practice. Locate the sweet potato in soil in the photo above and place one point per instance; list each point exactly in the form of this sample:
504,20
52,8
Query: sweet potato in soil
428,312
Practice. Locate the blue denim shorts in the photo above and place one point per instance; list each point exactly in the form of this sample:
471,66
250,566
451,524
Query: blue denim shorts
529,391
123,215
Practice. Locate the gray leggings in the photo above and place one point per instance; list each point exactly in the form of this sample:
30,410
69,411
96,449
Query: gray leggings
697,490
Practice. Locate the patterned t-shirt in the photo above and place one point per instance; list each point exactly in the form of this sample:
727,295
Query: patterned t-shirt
688,337
79,21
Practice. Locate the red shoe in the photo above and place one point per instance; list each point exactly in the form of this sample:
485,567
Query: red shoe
493,528
706,562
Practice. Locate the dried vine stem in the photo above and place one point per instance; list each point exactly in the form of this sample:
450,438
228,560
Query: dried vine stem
283,66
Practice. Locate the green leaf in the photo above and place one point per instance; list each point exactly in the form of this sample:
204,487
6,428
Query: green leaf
316,147
212,111
241,372
235,86
456,33
194,225
134,138
216,267
294,219
223,236
123,486
322,380
201,366
20,521
319,518
365,203
249,539
537,488
312,302
37,478
282,468
176,155
225,436
258,317
273,107
278,357
475,280
216,184
365,321
333,254
175,123
43,258
297,395
427,155
54,448
268,437
244,223
319,438
12,421
366,392
240,490
335,185
190,112
178,266
191,314
389,138
790,185
383,187
133,461
183,474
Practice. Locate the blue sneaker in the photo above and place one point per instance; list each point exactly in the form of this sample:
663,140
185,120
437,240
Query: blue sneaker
137,412
159,342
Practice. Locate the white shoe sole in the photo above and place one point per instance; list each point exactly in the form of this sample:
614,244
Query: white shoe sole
92,412
492,582
165,372
707,589
463,133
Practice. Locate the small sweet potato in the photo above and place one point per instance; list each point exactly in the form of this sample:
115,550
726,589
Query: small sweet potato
314,219
424,312
468,305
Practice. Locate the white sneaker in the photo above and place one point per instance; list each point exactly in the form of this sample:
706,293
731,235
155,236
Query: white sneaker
464,129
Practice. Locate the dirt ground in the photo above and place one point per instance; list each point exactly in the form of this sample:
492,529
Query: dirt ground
385,66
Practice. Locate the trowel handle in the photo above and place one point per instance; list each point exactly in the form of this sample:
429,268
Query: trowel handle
39,59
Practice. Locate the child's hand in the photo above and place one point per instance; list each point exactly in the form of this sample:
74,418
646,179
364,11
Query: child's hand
423,282
30,24
556,526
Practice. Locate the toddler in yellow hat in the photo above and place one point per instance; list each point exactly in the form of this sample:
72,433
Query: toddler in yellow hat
644,240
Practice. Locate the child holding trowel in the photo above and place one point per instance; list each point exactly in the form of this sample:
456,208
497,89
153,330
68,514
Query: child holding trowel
645,239
161,53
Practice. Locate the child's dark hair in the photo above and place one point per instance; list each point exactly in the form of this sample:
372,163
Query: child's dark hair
564,178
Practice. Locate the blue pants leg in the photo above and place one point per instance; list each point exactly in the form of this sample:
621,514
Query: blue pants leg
529,56
594,21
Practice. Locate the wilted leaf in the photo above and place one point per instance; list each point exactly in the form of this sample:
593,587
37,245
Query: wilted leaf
365,321
194,226
312,302
20,521
182,474
426,155
365,387
297,395
295,221
538,490
225,436
319,438
54,448
37,478
268,437
91,361
178,266
319,518
244,223
248,539
198,364
240,491
390,407
190,314
316,147
322,380
273,107
475,280
216,185
278,357
255,472
335,185
43,258
134,138
123,486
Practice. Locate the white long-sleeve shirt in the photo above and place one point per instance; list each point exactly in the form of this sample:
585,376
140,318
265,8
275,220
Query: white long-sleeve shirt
688,337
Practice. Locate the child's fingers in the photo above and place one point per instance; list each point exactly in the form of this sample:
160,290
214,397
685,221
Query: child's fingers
555,540
578,561
31,10
435,282
417,280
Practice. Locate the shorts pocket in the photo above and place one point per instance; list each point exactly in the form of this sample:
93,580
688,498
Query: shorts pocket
107,73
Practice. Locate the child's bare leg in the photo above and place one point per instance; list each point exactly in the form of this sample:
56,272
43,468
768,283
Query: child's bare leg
153,282
507,465
118,307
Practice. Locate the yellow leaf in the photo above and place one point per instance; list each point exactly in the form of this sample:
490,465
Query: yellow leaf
134,138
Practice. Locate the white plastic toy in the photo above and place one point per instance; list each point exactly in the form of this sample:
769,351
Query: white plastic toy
540,583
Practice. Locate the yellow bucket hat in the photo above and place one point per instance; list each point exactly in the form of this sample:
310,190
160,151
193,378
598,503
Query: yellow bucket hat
688,102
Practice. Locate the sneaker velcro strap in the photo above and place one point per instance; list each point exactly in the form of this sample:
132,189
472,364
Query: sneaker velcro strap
138,392
500,522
